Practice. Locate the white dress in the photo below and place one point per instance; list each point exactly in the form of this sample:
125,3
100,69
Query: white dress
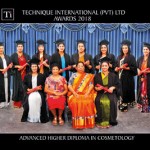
5,104
35,103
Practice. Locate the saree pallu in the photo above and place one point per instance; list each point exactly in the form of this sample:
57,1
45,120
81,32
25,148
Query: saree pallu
22,61
83,109
42,66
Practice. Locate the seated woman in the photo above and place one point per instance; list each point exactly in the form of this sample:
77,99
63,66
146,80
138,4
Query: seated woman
107,86
81,98
56,89
34,102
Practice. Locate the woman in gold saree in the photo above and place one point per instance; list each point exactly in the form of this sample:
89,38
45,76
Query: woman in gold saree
81,98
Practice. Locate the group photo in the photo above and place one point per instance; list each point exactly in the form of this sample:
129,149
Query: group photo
75,78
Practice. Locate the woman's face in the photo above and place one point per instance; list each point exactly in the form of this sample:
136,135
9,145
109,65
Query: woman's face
81,47
34,68
20,48
125,49
41,48
61,47
103,49
55,70
146,50
80,67
105,67
1,49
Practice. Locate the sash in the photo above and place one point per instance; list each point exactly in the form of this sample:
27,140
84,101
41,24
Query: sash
83,86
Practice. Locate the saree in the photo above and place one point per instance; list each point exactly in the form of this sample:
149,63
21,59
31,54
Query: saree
83,109
144,98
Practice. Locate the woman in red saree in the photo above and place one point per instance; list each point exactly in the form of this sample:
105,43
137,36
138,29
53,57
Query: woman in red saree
81,98
143,86
20,69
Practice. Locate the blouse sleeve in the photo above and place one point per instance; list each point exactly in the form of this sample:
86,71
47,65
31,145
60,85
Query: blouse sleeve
70,82
46,81
64,80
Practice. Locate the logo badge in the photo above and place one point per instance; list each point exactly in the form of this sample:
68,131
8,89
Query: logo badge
7,14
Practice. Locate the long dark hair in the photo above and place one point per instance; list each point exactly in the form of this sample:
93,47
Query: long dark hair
38,54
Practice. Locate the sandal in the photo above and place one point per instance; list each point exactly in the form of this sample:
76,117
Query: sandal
61,122
54,122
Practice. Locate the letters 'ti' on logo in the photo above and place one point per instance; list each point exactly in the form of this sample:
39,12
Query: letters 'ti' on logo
7,14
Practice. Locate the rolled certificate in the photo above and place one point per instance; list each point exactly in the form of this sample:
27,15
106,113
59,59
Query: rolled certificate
125,65
8,67
23,67
43,63
34,89
104,88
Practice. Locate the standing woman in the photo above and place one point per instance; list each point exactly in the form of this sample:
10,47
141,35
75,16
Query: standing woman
42,56
143,86
82,56
19,59
104,53
106,102
61,58
56,89
34,102
126,69
5,61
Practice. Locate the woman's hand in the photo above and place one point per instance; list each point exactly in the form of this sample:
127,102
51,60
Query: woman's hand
98,88
110,65
86,95
87,63
10,65
98,67
61,70
117,69
111,89
29,90
75,94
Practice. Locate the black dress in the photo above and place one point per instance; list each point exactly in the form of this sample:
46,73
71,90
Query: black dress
2,85
75,59
18,90
127,78
28,84
46,69
56,58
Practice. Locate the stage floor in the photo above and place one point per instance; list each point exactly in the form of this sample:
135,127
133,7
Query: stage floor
132,121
